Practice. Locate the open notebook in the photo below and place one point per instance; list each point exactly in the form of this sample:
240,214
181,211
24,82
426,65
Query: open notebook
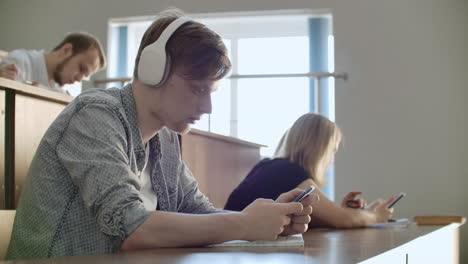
282,241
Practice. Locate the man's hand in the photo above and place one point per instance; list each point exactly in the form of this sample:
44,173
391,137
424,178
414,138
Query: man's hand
9,71
300,220
265,219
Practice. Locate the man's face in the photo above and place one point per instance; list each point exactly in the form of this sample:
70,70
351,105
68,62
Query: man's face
182,102
76,67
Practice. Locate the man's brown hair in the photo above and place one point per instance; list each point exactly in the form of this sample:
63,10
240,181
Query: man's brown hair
197,51
82,42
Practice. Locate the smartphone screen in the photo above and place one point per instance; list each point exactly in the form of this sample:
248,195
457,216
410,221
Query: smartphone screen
304,194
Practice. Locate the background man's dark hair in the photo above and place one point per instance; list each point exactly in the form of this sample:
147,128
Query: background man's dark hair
82,42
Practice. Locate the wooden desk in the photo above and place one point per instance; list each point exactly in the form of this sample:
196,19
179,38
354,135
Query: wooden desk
420,244
27,113
219,163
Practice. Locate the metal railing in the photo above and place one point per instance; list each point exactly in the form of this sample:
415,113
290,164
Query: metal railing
315,75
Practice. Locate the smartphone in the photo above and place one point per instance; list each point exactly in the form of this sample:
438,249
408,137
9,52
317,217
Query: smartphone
304,193
401,195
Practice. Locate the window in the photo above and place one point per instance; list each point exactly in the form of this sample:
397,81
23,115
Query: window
271,104
261,109
73,89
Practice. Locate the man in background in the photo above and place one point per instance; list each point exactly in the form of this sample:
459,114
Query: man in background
78,56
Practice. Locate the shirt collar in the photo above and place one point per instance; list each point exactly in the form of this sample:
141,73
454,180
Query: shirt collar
129,106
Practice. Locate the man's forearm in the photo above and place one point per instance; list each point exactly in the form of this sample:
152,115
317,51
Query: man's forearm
166,229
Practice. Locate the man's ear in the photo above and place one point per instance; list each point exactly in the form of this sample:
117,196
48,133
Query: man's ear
66,50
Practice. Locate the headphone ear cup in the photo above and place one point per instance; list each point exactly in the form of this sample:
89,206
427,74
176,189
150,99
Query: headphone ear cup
152,64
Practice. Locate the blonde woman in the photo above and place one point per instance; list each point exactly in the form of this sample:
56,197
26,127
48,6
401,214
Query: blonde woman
302,158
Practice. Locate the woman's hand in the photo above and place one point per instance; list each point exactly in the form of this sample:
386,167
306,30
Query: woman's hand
351,200
381,210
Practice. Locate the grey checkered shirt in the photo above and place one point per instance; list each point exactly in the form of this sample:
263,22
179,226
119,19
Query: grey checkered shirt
81,195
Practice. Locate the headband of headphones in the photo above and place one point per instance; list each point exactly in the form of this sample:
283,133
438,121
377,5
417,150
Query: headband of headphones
153,66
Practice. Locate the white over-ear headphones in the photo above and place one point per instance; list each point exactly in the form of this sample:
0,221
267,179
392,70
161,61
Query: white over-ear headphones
153,67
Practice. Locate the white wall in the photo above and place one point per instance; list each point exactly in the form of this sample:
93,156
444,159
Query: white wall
402,110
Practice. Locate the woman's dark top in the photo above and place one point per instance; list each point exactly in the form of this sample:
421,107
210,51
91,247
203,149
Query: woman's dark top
268,179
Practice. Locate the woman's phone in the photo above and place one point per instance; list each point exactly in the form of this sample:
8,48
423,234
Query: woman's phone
304,193
401,195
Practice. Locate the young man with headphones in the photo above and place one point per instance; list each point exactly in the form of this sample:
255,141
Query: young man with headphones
108,174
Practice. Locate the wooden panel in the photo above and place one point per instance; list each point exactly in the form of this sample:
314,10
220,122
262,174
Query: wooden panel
218,163
29,110
32,118
2,149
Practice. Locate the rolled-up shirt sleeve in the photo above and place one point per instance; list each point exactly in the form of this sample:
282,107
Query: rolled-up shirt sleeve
93,149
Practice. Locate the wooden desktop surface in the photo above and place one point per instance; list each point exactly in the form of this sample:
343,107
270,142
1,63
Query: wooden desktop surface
321,246
32,91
